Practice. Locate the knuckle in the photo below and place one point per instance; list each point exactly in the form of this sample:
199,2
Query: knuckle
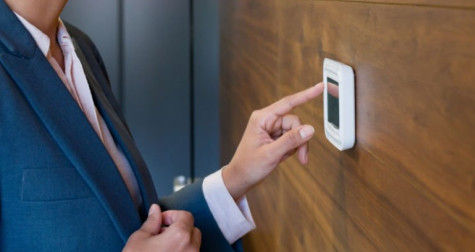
181,227
185,237
198,231
188,216
255,114
196,243
292,119
268,154
181,236
294,138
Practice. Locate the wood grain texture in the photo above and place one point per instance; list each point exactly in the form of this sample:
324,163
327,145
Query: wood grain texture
409,184
457,4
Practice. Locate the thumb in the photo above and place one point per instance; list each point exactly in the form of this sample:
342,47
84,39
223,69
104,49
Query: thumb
291,140
154,220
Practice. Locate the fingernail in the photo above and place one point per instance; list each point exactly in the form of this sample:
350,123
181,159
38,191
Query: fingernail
306,131
152,209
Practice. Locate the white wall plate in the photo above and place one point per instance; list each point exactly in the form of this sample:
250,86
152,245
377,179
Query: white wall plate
339,104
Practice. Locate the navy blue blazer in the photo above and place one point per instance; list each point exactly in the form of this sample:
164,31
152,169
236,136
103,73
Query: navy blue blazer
60,189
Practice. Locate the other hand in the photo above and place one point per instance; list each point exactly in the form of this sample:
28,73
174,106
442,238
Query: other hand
179,233
271,135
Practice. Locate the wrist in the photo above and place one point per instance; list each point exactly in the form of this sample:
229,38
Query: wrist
233,182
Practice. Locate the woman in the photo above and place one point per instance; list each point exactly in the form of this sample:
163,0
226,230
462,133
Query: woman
71,175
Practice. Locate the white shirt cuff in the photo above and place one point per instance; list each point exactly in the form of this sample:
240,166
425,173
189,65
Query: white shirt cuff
234,218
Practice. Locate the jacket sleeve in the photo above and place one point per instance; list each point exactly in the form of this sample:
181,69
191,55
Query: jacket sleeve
191,199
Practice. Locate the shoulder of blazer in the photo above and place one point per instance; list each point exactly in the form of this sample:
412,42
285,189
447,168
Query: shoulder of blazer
85,42
14,38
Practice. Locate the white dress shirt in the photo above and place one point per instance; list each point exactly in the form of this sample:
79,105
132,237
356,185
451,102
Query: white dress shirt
233,218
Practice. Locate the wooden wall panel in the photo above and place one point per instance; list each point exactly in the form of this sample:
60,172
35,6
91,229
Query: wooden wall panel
409,184
250,37
458,4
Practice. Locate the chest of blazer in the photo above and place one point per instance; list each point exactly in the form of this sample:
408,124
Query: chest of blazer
57,178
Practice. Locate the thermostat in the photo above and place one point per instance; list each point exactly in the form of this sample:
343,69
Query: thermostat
339,104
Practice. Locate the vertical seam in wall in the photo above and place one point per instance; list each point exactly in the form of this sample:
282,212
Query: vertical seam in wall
192,93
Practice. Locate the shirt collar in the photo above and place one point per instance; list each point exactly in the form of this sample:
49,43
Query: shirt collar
42,40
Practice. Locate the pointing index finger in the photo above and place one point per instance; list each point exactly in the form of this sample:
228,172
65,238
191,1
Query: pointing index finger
286,104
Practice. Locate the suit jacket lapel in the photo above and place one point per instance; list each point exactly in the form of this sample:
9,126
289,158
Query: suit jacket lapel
65,121
120,133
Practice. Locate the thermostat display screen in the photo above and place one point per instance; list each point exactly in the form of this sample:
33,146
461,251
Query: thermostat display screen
333,106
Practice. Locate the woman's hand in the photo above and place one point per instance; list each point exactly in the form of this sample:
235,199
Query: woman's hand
271,135
179,233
